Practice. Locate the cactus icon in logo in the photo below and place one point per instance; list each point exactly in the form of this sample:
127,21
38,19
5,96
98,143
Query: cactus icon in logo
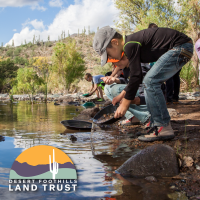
43,162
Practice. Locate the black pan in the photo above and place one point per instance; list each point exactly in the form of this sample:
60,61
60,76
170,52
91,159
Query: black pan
77,124
107,110
73,103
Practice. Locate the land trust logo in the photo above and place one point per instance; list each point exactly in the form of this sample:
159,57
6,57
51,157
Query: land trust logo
42,164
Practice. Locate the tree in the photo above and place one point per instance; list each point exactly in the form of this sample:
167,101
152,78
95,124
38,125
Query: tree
183,16
44,69
8,71
27,81
68,62
139,13
191,9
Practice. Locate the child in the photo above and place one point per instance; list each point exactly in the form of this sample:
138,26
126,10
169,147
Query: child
170,48
97,85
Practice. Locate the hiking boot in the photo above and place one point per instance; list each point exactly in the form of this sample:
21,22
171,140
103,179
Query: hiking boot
158,133
144,129
128,122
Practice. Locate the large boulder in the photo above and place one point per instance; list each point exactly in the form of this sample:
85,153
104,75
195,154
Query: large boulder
157,160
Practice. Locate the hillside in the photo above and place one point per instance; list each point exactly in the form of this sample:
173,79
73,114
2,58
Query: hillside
21,54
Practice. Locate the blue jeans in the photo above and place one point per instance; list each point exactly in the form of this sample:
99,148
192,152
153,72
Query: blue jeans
166,67
140,112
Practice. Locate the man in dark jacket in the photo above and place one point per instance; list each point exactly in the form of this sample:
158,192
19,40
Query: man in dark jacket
170,48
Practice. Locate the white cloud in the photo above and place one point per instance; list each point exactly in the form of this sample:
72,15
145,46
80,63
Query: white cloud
38,7
55,3
20,3
37,25
14,30
93,13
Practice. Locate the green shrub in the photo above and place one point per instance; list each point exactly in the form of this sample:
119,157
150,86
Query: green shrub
30,45
97,70
9,53
48,44
17,51
187,74
8,71
20,60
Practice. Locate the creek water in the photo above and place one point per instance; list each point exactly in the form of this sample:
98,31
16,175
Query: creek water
95,155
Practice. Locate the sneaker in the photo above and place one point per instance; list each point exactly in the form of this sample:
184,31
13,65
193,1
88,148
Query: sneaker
100,100
128,122
158,133
97,98
144,129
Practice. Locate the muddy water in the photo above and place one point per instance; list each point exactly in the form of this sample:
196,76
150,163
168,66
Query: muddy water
96,155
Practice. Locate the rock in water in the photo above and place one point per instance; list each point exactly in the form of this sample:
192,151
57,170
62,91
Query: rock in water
156,160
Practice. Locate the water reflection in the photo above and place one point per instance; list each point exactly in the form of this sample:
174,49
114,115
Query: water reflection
96,155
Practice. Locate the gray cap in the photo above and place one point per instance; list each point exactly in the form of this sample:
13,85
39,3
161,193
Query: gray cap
101,40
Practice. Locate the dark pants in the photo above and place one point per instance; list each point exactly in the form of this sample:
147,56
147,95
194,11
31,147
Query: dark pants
173,87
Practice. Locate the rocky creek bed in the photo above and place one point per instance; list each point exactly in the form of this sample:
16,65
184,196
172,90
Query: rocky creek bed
185,120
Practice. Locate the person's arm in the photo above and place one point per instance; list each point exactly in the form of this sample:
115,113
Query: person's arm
118,73
115,71
132,51
91,87
110,80
94,89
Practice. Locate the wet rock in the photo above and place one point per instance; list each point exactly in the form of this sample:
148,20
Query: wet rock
187,161
65,100
87,114
178,196
156,160
2,138
73,138
107,103
151,179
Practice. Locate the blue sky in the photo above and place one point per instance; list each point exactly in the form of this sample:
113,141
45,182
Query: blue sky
21,19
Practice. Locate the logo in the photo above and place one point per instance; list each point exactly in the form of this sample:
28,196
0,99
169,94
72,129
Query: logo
41,163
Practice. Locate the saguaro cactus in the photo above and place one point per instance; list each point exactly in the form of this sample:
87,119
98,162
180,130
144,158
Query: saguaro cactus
54,171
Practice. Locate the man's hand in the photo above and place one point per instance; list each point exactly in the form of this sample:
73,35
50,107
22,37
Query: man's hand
121,110
118,98
108,80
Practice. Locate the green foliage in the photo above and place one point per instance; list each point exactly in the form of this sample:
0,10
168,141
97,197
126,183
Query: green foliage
68,62
20,60
27,81
9,53
17,51
80,41
8,71
30,45
140,13
49,44
187,74
97,70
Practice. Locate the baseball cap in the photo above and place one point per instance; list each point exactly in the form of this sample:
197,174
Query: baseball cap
101,40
